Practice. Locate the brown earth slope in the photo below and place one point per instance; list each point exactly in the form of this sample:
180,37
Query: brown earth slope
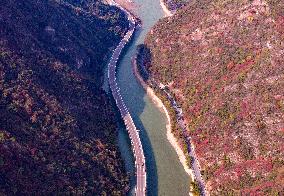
223,60
57,128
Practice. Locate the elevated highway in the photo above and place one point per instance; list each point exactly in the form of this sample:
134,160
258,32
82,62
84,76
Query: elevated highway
133,133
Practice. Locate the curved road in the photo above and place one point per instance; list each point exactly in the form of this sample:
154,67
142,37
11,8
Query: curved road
130,126
195,163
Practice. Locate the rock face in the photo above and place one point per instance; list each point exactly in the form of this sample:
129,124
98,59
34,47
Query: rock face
223,60
57,127
174,5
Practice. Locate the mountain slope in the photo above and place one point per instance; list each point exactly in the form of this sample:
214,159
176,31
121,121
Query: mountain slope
223,61
57,130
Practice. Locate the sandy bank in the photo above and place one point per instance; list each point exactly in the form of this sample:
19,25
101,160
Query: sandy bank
157,101
165,9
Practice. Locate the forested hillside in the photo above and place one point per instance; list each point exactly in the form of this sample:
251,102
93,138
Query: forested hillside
223,61
57,127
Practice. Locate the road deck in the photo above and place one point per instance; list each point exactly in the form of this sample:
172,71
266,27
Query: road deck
133,133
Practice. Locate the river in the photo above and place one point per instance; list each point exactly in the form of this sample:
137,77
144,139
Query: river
165,174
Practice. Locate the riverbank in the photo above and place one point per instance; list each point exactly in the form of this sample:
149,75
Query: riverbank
141,175
166,174
158,102
165,8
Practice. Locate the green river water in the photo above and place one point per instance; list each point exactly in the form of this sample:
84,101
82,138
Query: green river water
165,174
